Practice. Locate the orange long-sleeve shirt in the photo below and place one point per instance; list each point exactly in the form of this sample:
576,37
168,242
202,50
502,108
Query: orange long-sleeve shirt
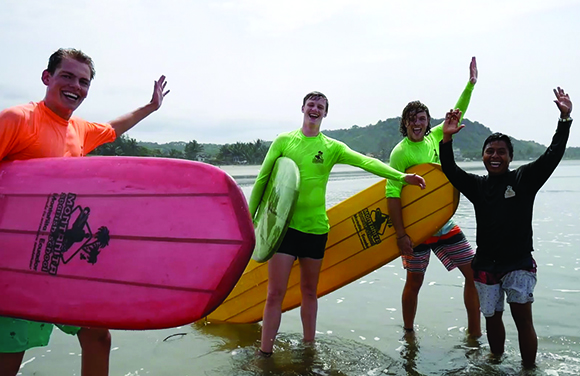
34,131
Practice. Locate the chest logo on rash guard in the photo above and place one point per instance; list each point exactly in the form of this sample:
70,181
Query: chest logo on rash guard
509,192
370,226
436,156
318,158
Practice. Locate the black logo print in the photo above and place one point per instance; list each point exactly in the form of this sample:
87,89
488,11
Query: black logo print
370,225
318,158
436,155
65,240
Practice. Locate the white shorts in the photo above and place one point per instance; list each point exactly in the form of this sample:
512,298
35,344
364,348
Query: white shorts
517,285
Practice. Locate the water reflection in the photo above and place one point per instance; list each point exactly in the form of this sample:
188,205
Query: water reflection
409,352
232,336
328,356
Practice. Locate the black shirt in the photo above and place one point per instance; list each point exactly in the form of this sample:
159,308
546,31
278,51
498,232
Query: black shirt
504,205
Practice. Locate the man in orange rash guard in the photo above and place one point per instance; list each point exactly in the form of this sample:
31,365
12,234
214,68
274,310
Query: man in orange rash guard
48,129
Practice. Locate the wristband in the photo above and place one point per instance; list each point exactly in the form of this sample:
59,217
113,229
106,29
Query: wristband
565,120
399,238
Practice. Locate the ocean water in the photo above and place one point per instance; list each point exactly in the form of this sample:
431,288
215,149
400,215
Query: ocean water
360,326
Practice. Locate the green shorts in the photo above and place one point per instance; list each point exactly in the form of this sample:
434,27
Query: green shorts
17,335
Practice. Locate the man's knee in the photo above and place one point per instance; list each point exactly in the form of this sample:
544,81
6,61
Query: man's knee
414,281
89,337
308,291
467,272
495,319
276,295
522,315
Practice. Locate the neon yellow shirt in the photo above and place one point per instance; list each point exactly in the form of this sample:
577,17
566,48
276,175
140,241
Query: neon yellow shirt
408,153
315,157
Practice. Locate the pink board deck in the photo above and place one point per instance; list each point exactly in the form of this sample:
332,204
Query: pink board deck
119,242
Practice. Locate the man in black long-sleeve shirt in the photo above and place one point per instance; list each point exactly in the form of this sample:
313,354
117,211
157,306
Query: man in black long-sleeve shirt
503,202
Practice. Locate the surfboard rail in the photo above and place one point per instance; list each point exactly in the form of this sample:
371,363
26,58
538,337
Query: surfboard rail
276,208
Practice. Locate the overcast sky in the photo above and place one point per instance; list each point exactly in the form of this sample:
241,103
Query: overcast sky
238,70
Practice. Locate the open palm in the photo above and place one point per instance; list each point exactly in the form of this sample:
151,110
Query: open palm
563,102
451,124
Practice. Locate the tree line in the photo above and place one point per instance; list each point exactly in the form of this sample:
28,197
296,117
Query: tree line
375,140
252,153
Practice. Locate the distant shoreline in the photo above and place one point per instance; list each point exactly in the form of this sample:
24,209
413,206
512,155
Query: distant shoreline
247,173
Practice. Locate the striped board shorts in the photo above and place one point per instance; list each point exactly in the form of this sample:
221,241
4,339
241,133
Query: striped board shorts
451,248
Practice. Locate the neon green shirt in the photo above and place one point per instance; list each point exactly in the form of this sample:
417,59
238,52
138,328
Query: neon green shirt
408,153
315,157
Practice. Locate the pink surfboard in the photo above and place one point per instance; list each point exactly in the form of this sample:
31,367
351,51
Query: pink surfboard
119,242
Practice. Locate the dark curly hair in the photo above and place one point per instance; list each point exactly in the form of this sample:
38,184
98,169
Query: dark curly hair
499,137
410,110
69,53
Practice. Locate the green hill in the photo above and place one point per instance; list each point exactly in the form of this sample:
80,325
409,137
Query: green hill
380,138
376,139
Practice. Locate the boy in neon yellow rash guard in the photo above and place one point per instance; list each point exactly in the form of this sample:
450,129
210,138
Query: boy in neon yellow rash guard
315,154
421,145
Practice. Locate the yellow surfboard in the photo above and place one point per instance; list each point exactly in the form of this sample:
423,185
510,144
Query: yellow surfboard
361,239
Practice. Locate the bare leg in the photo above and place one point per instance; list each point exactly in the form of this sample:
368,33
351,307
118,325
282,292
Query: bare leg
471,301
411,297
522,314
96,346
309,273
279,267
10,363
495,333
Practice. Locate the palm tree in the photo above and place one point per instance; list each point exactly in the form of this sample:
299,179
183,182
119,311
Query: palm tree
192,149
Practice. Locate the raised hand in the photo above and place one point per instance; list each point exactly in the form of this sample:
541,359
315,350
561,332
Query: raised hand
158,92
473,71
451,124
563,102
415,179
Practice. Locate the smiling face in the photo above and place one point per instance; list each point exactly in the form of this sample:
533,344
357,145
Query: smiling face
496,157
415,121
314,110
67,87
416,126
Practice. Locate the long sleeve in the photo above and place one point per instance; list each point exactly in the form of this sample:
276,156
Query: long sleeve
464,182
538,172
465,98
462,104
262,179
372,165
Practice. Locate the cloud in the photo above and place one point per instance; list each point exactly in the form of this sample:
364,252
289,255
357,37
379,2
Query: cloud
10,95
285,16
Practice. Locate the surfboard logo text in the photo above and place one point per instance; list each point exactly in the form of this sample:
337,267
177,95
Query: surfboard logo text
370,225
64,233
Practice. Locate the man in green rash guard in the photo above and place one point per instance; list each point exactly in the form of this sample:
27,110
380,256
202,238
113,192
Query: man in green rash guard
315,154
421,145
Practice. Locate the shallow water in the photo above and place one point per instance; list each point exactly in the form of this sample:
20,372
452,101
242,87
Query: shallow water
359,325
